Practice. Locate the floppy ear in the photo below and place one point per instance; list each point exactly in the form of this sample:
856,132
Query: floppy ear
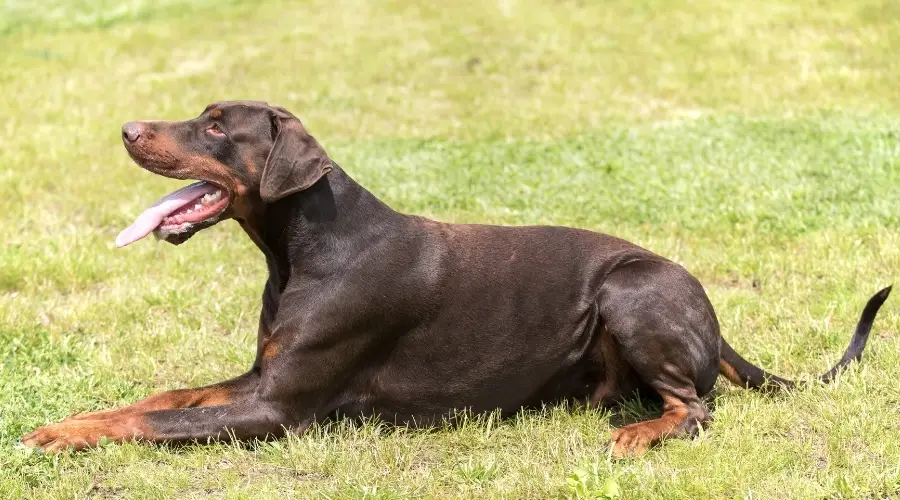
296,161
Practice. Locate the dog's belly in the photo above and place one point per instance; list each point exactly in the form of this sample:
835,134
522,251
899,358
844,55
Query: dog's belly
426,394
503,376
516,321
419,405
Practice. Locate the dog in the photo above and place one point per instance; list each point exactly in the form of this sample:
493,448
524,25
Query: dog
368,311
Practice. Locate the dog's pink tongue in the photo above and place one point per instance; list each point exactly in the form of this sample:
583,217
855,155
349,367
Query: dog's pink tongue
153,216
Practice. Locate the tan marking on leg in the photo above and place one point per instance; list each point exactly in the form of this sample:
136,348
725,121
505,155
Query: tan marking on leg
181,398
634,439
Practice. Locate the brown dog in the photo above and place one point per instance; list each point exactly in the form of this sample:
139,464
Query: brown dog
369,311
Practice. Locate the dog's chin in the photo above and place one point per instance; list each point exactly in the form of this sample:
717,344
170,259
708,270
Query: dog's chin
184,233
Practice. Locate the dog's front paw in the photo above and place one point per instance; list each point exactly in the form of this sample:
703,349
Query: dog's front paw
81,434
57,437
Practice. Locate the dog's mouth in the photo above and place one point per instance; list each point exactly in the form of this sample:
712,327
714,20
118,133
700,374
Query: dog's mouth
178,215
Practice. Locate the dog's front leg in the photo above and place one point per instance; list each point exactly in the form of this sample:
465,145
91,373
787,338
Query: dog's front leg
246,419
122,424
285,393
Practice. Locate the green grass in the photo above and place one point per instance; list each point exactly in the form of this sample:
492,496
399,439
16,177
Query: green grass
757,144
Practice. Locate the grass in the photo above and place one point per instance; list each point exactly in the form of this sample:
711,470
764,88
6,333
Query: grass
758,145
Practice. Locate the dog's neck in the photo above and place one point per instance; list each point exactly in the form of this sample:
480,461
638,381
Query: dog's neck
317,230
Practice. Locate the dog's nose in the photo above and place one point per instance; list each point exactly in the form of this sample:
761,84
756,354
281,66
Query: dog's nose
131,131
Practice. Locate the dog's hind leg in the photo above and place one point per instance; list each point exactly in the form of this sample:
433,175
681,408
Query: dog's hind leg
683,413
664,329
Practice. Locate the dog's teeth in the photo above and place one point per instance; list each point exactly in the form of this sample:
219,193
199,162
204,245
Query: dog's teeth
211,198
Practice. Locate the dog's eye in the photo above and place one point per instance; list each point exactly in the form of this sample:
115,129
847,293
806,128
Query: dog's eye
215,130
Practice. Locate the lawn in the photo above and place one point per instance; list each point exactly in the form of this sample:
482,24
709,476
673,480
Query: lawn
757,144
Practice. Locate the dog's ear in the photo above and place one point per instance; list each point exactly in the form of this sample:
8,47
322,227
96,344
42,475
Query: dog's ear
295,162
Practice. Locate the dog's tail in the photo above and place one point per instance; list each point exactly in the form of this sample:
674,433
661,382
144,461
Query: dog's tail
741,372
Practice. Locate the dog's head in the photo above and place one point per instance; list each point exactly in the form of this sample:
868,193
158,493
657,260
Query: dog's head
245,154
